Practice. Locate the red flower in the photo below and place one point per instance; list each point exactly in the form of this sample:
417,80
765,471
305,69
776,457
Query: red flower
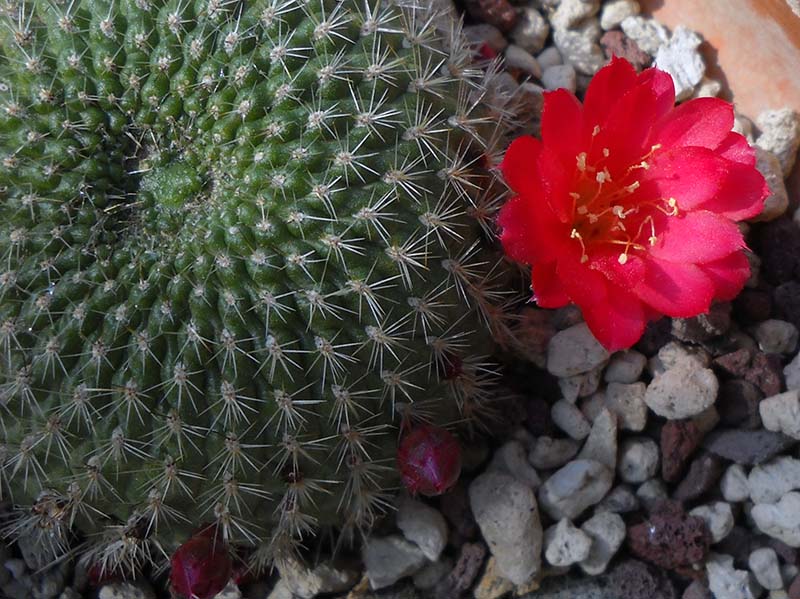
202,566
627,205
429,459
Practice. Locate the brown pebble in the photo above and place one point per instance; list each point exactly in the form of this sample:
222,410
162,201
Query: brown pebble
794,588
679,439
499,13
632,579
470,561
735,363
616,43
766,373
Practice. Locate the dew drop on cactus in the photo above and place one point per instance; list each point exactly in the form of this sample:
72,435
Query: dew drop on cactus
202,566
429,458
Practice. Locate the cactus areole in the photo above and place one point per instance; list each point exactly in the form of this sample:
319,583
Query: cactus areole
237,239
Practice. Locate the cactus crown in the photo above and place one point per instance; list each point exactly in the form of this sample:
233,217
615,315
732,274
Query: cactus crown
239,241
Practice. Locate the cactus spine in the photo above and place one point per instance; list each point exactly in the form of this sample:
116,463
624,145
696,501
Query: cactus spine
240,241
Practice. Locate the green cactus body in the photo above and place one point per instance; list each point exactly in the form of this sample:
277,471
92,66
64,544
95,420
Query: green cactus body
239,241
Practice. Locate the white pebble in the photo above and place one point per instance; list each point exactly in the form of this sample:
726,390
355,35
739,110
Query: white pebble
560,76
638,460
574,351
718,518
575,487
648,34
579,46
549,56
531,30
571,12
627,402
519,58
607,531
550,453
780,520
681,58
601,445
682,391
570,419
780,134
564,544
781,413
726,582
770,481
733,484
776,336
791,373
764,565
422,525
512,458
616,11
625,367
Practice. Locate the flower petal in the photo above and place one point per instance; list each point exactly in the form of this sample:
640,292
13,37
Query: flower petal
547,289
605,89
736,148
617,323
562,125
674,289
529,231
703,122
696,237
728,274
663,88
519,165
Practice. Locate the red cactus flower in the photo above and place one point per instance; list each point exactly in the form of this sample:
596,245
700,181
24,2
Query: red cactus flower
202,566
429,459
627,206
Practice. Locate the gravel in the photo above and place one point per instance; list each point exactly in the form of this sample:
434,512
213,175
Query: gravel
565,544
780,520
574,488
560,76
763,563
615,12
780,134
607,532
683,391
388,559
781,413
574,351
423,526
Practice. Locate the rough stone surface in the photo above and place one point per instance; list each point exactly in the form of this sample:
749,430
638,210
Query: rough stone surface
697,590
607,532
670,539
564,544
569,419
726,582
305,582
507,514
745,446
139,589
776,336
432,574
519,58
703,327
422,525
780,134
560,76
627,402
778,200
492,584
575,487
638,460
733,484
679,440
764,565
704,472
780,520
616,43
781,413
652,493
625,367
531,31
388,559
512,458
648,34
571,12
632,579
574,351
769,482
549,452
682,391
601,445
792,374
470,560
579,46
615,11
549,56
718,518
620,500
681,58
765,373
483,33
674,353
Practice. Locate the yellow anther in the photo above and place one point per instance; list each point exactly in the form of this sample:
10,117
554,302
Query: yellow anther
606,152
581,160
596,130
618,211
652,239
632,187
623,258
582,210
574,195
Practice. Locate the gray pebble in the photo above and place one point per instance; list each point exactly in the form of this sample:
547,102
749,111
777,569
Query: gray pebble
519,58
558,76
616,11
531,31
780,134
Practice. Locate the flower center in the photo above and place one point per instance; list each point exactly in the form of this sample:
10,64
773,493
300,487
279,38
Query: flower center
607,212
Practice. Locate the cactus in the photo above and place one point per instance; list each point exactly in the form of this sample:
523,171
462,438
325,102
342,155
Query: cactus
241,241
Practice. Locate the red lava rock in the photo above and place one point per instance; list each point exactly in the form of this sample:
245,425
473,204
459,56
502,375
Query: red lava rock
735,363
616,43
753,305
766,373
679,439
632,579
671,539
737,404
703,474
697,590
787,302
499,13
461,577
429,459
